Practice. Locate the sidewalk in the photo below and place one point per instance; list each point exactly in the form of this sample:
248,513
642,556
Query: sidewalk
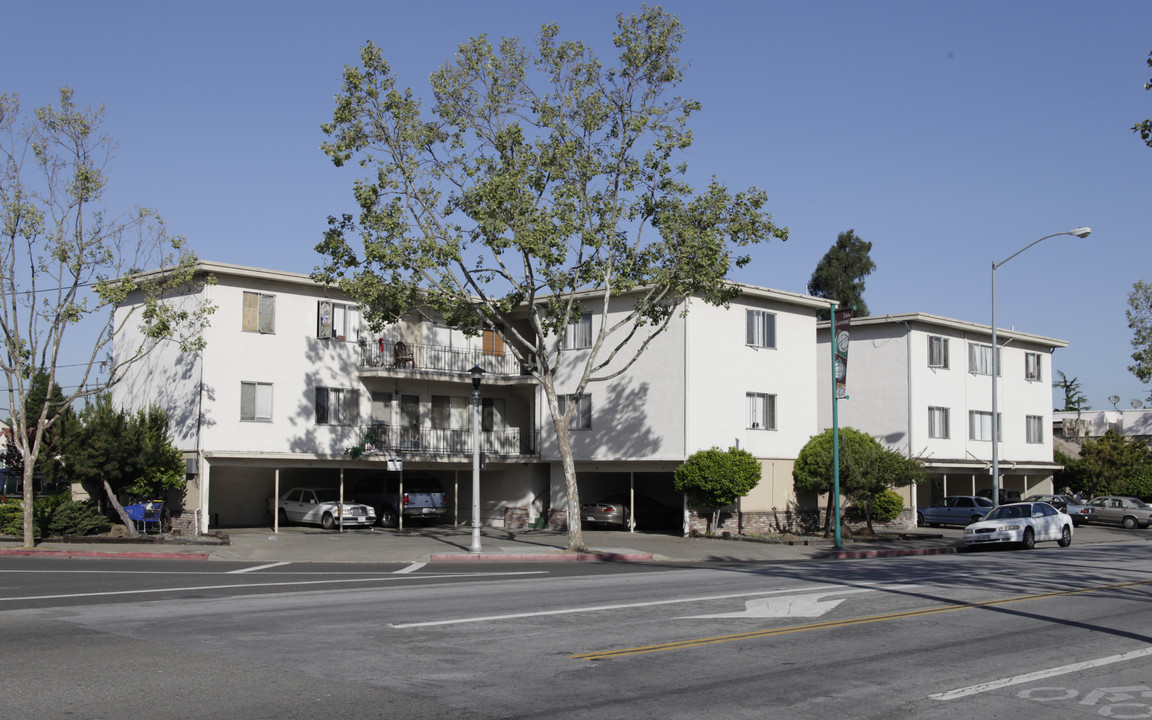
452,545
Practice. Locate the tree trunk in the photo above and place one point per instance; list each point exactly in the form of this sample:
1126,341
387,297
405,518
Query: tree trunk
29,503
120,511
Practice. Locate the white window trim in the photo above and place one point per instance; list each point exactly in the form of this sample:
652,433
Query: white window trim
760,329
336,320
973,415
255,414
578,333
761,405
945,420
1034,422
976,361
1038,375
582,418
942,343
265,313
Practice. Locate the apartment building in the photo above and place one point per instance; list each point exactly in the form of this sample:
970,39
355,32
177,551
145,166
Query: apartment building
922,384
293,389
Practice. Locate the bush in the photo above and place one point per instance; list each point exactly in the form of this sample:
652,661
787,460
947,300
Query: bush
78,518
887,506
12,519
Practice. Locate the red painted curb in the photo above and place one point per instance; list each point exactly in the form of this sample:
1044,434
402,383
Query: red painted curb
100,554
541,557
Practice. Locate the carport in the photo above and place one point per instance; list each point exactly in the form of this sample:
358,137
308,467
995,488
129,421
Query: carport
627,486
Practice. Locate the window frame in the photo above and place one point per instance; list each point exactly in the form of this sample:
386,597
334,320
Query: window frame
940,342
1034,423
1033,374
760,328
341,406
939,416
263,319
339,322
582,418
758,404
981,414
976,361
253,412
578,333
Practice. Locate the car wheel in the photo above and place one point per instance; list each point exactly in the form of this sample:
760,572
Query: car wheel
920,520
1029,539
1065,537
328,522
387,517
1130,523
282,517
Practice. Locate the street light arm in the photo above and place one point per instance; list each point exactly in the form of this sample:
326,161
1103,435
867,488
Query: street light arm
1078,232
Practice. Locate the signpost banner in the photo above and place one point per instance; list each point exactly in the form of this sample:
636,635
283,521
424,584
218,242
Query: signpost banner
840,326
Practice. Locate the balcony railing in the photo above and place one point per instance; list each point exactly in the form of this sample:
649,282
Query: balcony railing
395,440
435,358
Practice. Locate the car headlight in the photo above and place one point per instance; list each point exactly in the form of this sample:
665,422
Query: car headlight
1009,527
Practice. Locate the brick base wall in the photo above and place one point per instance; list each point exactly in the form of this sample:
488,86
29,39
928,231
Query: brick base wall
769,522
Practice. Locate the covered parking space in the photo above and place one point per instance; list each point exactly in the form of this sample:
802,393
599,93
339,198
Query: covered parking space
647,491
961,477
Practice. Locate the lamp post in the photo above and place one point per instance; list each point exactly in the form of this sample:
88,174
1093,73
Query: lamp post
477,372
1082,232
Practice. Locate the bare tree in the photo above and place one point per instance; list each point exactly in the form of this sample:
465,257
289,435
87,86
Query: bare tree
68,262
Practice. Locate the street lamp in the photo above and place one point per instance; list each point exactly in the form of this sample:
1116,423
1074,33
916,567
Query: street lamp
477,372
1082,232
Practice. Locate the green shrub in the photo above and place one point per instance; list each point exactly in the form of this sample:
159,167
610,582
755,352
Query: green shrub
78,518
12,520
886,506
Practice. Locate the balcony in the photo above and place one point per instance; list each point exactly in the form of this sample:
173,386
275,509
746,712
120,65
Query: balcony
393,440
385,355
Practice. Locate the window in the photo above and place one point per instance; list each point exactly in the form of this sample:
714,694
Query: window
494,339
335,320
259,313
938,422
337,406
578,334
256,401
582,415
761,329
1035,429
938,352
980,426
492,414
980,360
381,408
761,411
1032,366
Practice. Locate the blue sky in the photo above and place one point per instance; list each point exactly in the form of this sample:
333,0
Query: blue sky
950,135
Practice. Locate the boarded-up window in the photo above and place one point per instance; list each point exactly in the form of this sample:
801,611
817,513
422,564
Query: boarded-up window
259,313
494,341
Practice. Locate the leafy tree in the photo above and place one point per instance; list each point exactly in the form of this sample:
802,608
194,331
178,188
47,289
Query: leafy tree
867,469
1139,315
715,478
840,274
1113,464
1074,398
544,183
66,261
1145,128
130,455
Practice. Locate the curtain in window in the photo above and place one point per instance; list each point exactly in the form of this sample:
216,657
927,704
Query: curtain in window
761,329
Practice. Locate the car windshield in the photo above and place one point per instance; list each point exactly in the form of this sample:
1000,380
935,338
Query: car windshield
1006,512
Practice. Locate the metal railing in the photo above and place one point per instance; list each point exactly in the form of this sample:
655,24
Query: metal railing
436,358
396,440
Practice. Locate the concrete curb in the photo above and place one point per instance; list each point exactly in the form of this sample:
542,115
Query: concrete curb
104,554
559,556
857,554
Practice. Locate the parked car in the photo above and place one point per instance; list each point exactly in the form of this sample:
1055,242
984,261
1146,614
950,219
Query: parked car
423,497
954,510
321,506
1079,513
1128,511
1024,524
1006,496
649,514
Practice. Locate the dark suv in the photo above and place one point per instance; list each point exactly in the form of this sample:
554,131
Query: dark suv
1006,496
423,498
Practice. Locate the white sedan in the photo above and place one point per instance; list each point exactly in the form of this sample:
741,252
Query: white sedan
1025,524
321,506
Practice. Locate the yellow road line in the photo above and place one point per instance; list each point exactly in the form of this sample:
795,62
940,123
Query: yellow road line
699,642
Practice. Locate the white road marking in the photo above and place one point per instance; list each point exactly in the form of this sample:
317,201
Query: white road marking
300,583
411,568
777,607
1040,675
257,567
622,606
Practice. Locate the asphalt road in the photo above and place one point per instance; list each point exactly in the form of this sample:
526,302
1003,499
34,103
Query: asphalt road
1052,633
